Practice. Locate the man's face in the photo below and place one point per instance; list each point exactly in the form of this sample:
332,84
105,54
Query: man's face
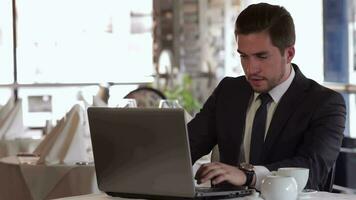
263,63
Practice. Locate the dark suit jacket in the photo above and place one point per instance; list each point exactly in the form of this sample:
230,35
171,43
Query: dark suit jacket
306,129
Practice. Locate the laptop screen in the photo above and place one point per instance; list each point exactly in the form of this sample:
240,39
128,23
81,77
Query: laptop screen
141,151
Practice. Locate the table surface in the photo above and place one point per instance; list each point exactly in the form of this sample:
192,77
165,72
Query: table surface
314,196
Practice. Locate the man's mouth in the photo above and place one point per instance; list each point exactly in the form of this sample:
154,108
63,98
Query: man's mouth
256,80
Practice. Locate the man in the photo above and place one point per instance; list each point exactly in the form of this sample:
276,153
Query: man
302,124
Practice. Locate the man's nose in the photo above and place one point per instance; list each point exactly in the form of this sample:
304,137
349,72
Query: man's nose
253,67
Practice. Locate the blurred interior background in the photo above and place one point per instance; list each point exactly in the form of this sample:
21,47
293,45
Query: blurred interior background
57,53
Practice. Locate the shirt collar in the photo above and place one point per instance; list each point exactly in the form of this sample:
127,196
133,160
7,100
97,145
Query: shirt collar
278,91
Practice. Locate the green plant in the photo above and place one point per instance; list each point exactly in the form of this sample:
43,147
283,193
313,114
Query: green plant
183,93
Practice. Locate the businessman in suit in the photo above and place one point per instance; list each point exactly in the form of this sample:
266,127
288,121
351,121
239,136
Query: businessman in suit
273,116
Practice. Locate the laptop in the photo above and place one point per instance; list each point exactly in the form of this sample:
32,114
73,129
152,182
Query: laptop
144,153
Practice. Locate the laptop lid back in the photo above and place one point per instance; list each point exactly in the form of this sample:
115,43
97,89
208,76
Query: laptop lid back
141,151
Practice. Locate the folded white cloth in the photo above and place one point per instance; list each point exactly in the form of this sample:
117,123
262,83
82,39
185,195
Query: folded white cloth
82,100
11,124
5,109
18,145
97,101
50,138
67,142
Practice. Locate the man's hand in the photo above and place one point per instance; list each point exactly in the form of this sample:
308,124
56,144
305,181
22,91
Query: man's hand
218,172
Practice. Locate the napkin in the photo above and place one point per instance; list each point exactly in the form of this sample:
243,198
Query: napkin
50,138
18,145
66,143
11,124
5,109
97,101
82,100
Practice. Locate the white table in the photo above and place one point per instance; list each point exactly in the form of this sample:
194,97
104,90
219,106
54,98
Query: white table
315,196
21,179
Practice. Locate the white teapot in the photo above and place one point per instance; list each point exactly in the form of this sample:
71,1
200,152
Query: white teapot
276,187
300,174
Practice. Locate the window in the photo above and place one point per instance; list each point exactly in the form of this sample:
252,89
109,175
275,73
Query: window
77,42
66,41
6,43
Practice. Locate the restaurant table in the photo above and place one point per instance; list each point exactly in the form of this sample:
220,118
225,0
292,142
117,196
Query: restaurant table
21,178
314,196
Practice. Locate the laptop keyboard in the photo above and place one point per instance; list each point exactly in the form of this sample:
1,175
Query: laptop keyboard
218,189
211,189
222,192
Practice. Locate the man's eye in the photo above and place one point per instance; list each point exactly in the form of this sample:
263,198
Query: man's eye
262,56
243,56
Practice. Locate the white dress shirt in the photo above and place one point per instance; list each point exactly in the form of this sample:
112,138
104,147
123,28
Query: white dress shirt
276,93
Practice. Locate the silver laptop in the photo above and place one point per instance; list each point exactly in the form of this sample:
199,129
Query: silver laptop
144,153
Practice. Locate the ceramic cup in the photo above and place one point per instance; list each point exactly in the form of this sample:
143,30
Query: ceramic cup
276,187
300,175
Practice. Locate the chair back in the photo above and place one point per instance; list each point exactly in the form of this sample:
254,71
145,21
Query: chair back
345,164
349,142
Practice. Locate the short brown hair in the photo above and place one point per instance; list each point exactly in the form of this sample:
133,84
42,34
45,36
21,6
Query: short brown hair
275,20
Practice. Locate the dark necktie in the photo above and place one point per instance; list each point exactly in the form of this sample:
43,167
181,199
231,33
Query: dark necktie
258,129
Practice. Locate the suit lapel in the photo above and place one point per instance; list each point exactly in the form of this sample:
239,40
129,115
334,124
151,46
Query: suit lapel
286,107
236,118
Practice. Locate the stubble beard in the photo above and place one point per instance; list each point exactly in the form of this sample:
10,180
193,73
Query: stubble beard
271,83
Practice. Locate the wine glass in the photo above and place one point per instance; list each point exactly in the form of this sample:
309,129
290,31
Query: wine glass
169,103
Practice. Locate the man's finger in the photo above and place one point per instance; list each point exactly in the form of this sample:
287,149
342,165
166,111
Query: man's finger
212,174
204,169
219,179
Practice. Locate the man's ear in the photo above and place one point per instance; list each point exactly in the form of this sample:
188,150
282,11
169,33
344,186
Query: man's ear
289,52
